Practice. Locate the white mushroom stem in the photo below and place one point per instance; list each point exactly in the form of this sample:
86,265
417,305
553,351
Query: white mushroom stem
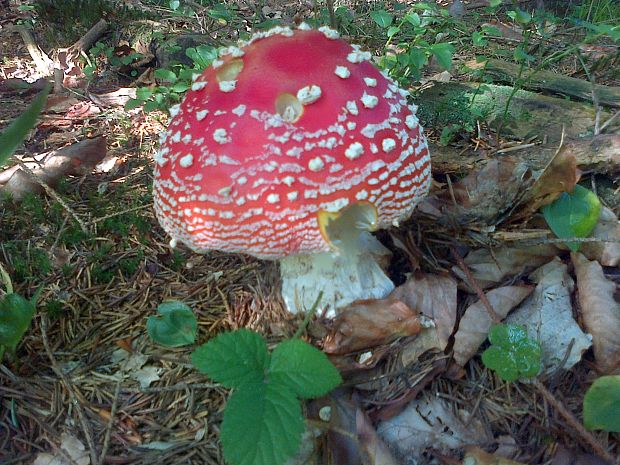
350,273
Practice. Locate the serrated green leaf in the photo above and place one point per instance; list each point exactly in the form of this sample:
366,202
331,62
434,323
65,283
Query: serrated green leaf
418,57
143,93
133,103
303,368
573,215
16,314
262,425
443,52
601,404
175,326
382,18
18,129
234,358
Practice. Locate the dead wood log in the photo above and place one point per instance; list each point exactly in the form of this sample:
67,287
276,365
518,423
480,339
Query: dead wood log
547,81
51,167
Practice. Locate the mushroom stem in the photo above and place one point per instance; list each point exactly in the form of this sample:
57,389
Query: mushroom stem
343,276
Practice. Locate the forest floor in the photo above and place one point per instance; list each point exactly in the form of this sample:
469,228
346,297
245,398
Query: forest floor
87,385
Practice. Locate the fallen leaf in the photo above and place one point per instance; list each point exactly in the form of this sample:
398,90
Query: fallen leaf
547,315
491,267
374,450
146,375
369,323
606,253
476,456
431,422
476,322
433,296
71,446
600,310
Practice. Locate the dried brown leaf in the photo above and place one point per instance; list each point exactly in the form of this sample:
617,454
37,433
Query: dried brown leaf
476,322
606,253
433,296
600,310
491,267
373,450
369,323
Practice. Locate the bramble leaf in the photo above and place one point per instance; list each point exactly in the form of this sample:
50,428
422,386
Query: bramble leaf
303,368
443,52
18,129
174,327
512,353
573,215
601,404
234,358
262,425
16,314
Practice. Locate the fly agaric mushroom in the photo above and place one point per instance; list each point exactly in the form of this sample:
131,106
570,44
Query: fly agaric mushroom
293,146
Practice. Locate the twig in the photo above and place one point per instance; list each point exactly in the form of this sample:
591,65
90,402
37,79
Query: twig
472,281
108,430
575,424
595,100
88,39
308,316
610,120
43,63
74,399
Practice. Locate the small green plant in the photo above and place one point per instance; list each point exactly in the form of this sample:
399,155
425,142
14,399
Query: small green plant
16,313
102,52
601,404
175,326
573,214
263,421
512,353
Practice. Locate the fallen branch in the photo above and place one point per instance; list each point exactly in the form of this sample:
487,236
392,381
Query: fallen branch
94,33
50,167
44,64
547,81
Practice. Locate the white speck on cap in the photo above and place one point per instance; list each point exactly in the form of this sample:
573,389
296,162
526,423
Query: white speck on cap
352,107
369,101
388,144
228,86
309,94
187,138
304,27
329,32
174,110
217,63
355,150
225,191
239,110
351,125
242,180
199,85
195,76
200,115
316,164
358,56
173,242
361,195
273,198
176,137
220,136
288,180
370,82
342,72
292,195
411,121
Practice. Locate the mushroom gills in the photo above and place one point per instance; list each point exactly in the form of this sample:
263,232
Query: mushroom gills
351,271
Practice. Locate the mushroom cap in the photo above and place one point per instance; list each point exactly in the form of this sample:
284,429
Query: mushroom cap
277,137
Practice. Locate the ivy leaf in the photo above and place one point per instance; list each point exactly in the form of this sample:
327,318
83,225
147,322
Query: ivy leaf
303,368
176,326
18,129
262,425
601,404
443,52
16,314
573,215
512,353
382,18
233,359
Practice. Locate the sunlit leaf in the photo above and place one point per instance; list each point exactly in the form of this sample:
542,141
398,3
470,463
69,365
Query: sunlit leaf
601,405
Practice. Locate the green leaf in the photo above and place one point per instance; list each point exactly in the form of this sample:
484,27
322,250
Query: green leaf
601,404
418,57
262,425
174,4
478,39
393,30
495,3
520,16
165,75
234,358
15,316
176,326
180,87
413,19
18,129
143,93
512,353
202,56
573,215
382,18
303,368
443,52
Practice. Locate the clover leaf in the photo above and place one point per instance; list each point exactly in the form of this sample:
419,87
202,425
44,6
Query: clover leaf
512,353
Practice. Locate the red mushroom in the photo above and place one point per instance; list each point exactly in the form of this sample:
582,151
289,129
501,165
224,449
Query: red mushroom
293,146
